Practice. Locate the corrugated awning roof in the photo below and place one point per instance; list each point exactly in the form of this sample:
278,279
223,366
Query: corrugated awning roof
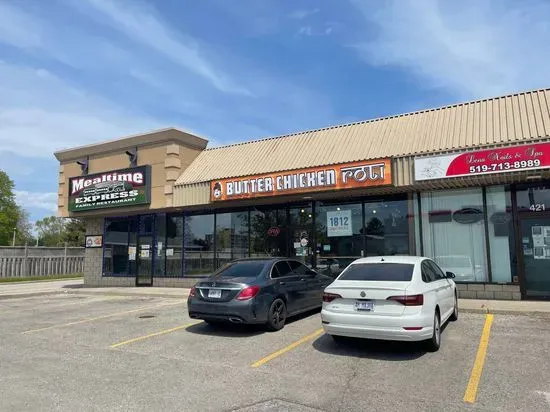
494,121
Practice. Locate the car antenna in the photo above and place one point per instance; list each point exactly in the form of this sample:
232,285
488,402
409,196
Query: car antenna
382,259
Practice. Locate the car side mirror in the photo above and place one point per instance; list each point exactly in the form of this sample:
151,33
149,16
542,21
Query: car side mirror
450,275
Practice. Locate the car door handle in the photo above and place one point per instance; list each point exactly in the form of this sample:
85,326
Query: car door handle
303,279
282,283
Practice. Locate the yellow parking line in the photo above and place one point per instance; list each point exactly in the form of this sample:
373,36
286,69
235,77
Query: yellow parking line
286,349
151,335
100,317
475,375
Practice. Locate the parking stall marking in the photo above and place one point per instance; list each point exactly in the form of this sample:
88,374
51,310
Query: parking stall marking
287,348
151,335
100,317
475,376
54,305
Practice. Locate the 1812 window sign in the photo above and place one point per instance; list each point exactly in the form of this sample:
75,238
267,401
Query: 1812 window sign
118,188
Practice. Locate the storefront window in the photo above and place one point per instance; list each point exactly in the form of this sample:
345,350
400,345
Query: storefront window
199,244
268,232
160,247
338,236
116,247
231,237
454,232
501,234
301,225
174,245
533,198
387,227
416,217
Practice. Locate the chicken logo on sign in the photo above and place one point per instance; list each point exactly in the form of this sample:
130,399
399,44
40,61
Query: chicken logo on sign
217,190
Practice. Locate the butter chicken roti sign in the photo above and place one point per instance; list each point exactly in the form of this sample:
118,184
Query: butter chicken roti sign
119,188
354,175
499,160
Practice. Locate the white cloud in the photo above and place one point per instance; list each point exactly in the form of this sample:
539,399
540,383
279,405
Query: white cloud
39,200
40,113
302,14
306,31
141,23
470,48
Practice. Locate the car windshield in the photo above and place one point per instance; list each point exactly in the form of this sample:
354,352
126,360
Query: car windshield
393,272
242,269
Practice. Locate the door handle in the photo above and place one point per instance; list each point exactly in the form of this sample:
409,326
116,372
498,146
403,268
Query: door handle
303,279
282,283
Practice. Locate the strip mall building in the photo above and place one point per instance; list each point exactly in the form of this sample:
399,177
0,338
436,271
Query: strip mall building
467,185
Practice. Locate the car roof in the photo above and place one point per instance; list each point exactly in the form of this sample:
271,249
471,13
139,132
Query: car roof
259,259
412,260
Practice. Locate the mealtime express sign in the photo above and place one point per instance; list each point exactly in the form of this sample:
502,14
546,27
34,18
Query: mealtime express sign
500,160
127,187
335,177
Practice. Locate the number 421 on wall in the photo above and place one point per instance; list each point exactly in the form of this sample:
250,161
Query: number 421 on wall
537,207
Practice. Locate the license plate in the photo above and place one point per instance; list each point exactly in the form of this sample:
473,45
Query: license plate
365,305
214,293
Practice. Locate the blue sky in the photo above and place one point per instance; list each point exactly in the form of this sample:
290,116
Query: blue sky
74,72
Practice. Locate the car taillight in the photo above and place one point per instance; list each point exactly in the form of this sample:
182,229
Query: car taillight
410,300
329,297
193,292
248,293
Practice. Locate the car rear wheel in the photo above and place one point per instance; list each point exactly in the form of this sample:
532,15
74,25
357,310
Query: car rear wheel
454,316
277,315
433,344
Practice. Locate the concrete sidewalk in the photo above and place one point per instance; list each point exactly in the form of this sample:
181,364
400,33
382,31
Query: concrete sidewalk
23,289
178,293
37,288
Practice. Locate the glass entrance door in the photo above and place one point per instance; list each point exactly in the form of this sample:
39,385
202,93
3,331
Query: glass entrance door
145,251
535,243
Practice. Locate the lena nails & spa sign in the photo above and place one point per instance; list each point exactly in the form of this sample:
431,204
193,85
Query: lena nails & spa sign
119,188
335,177
500,160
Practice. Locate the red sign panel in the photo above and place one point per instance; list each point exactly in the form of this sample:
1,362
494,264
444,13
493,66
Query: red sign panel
273,231
501,160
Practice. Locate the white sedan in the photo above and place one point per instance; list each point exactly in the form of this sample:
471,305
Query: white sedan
405,298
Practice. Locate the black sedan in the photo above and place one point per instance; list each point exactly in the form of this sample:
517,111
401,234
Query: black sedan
257,291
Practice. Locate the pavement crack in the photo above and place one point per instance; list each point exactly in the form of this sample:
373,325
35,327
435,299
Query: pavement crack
349,380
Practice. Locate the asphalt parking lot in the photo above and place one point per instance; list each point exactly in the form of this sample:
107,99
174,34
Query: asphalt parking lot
72,352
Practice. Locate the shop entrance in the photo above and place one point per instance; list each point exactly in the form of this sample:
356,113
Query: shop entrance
145,250
535,244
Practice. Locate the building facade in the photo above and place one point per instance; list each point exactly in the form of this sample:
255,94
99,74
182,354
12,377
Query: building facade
466,185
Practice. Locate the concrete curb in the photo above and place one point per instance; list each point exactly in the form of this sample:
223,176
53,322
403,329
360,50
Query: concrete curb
31,294
505,312
130,294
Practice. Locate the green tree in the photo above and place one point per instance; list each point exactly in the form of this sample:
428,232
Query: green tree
75,232
9,211
24,234
51,231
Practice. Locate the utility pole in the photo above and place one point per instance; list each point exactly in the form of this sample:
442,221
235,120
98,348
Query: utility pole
13,242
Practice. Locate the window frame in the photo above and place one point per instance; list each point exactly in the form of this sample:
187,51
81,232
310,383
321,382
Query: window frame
289,274
424,265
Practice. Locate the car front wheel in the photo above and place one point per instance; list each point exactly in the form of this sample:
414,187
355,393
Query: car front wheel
277,315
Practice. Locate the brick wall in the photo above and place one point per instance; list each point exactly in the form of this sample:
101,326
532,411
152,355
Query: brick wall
488,291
